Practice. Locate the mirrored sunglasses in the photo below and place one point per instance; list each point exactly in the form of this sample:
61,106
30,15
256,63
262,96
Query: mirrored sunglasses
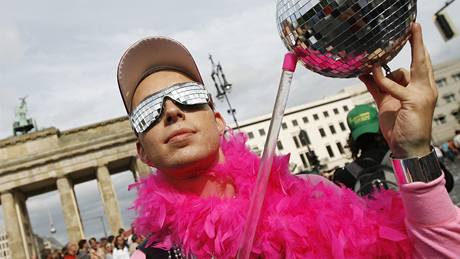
148,112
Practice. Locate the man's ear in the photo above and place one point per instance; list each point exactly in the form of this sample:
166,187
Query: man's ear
143,155
220,123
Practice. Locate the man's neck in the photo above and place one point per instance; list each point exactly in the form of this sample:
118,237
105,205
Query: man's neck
203,183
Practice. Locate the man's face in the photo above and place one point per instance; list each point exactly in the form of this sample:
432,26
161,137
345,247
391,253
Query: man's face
93,244
185,140
72,249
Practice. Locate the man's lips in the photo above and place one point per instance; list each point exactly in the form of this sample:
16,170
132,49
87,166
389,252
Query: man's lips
179,135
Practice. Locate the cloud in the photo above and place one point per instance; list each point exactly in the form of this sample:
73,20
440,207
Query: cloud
12,47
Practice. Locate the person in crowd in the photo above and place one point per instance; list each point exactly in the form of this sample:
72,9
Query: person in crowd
94,249
45,252
369,151
70,251
102,243
456,140
196,204
447,151
371,166
133,244
110,239
83,249
108,251
55,254
120,248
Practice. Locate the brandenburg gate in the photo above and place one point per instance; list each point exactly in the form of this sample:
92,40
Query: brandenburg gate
49,160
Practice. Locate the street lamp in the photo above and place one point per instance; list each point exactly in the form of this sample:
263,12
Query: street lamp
222,87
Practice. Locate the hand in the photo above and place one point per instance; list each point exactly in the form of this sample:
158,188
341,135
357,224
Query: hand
406,101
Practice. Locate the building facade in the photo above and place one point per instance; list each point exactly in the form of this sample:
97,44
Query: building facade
4,248
326,126
447,115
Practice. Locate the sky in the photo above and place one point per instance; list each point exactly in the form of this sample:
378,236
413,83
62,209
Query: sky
63,56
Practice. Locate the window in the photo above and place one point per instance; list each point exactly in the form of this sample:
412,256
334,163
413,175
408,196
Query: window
250,135
294,123
336,111
326,114
256,150
440,119
345,108
303,137
331,127
456,114
340,148
342,126
305,119
322,132
315,117
441,82
329,151
449,97
296,142
284,125
262,132
456,77
304,161
279,145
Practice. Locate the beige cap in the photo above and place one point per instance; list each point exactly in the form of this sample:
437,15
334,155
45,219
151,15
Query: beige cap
150,55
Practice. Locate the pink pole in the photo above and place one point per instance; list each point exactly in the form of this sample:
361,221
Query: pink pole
258,195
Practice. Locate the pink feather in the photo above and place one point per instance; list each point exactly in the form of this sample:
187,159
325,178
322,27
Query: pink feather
299,219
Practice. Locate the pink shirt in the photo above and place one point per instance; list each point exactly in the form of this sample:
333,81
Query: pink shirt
432,220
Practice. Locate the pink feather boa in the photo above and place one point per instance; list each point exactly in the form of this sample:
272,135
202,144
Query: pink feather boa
299,219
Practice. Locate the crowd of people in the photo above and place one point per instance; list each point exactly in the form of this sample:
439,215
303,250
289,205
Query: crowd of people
121,246
451,149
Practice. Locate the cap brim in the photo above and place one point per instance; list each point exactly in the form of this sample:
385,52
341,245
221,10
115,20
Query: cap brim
372,127
152,54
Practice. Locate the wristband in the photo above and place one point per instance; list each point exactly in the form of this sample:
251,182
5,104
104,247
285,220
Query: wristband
417,169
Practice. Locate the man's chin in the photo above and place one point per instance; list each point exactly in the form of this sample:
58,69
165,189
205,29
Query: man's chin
193,165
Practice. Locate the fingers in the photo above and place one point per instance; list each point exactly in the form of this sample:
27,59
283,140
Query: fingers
419,59
400,76
372,88
387,85
430,71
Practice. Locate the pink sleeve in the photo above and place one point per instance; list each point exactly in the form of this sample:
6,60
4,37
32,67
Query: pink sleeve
432,220
137,255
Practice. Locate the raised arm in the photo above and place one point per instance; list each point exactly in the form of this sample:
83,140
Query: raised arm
406,102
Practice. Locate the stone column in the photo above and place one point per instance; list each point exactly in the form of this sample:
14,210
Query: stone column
139,169
70,208
109,199
26,226
19,235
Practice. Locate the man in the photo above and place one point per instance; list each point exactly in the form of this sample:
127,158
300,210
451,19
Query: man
371,166
95,250
456,140
83,249
197,202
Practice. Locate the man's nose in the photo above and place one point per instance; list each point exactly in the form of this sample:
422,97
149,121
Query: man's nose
172,112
